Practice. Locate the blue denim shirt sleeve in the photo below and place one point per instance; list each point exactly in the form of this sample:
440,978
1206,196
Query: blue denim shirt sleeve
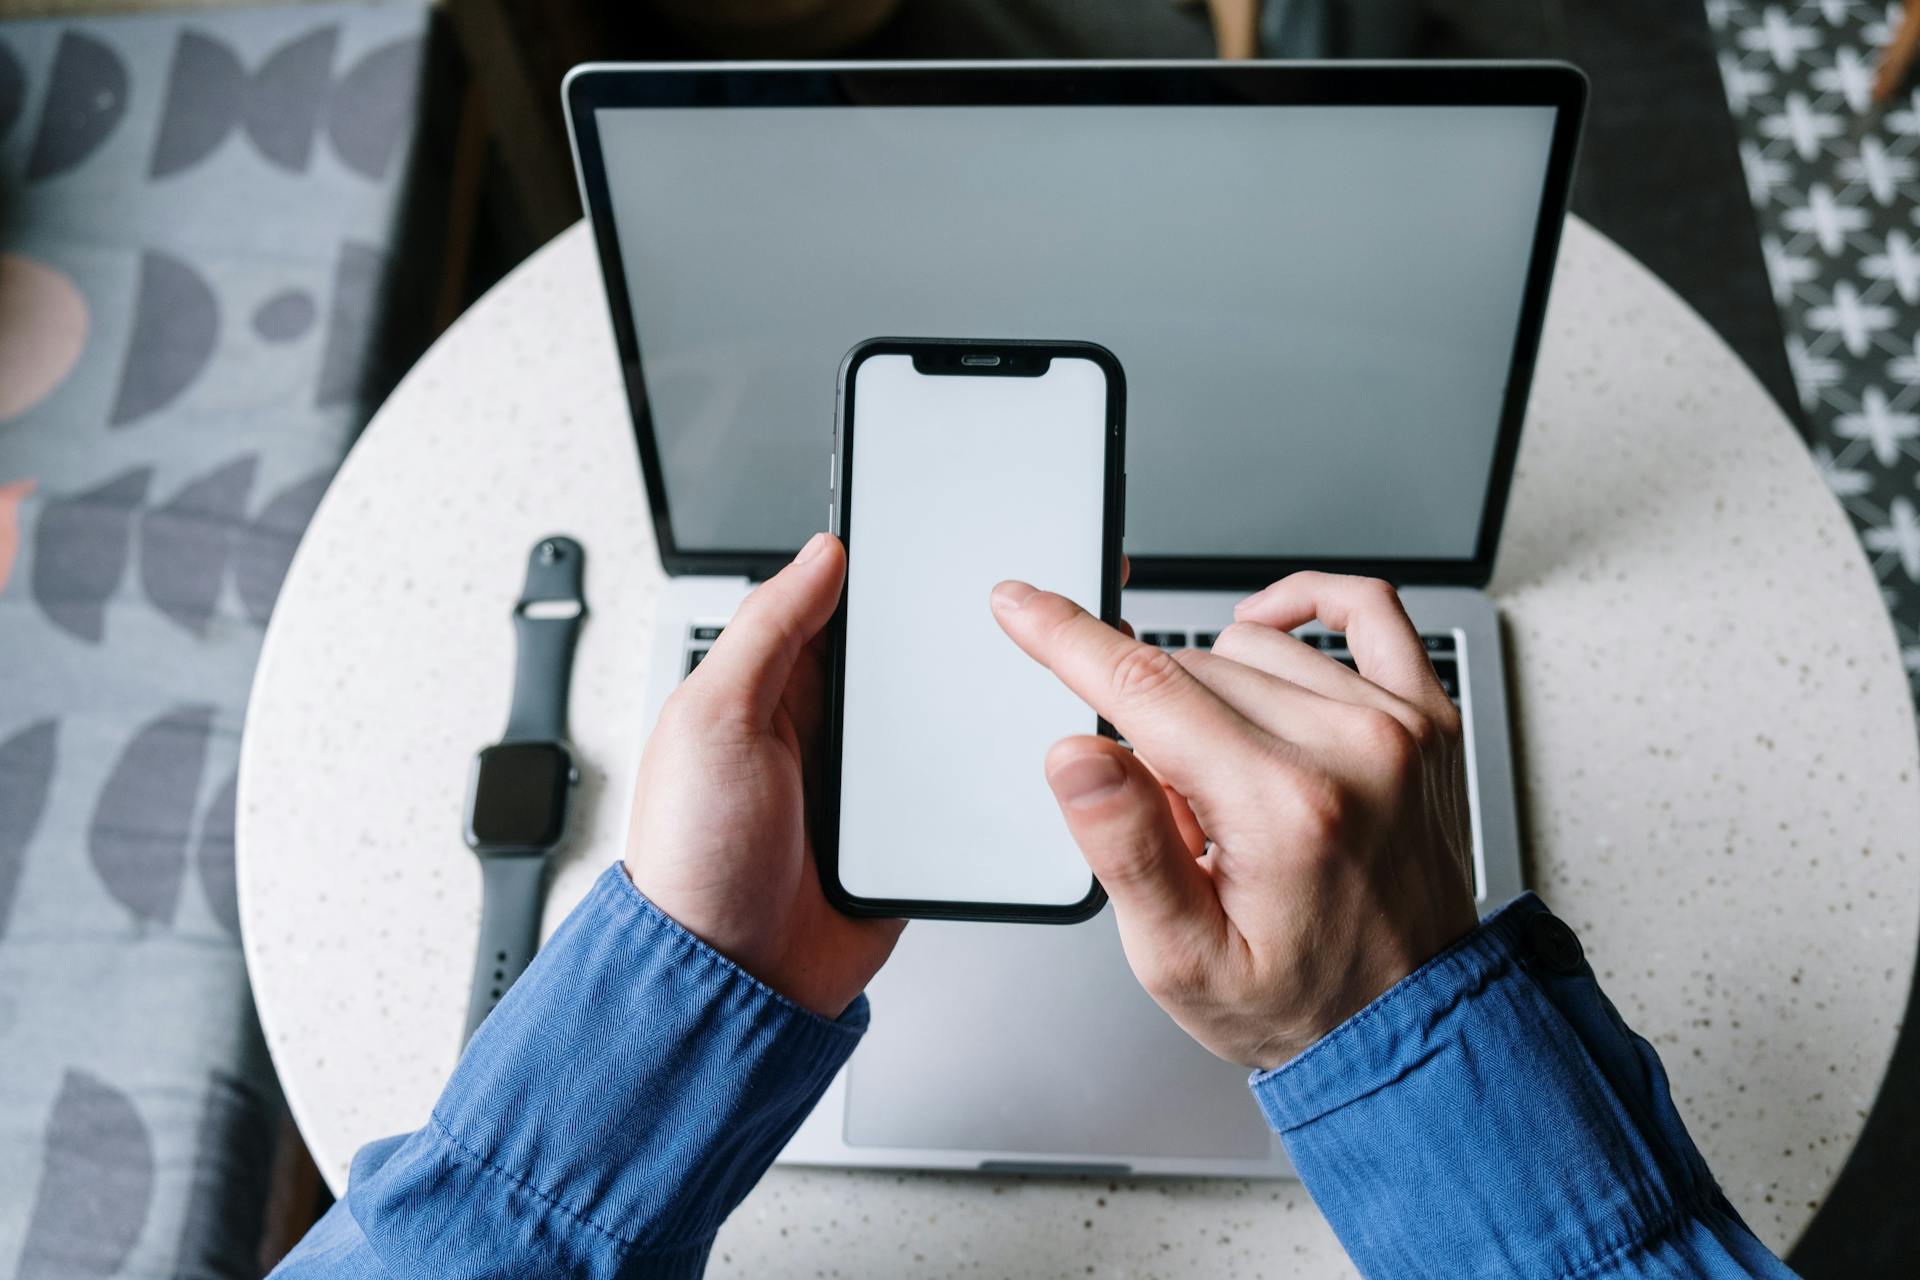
608,1115
1492,1116
1489,1116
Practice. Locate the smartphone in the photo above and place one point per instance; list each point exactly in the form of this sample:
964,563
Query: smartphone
958,464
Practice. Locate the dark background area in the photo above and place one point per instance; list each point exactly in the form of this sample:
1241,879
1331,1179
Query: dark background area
1659,173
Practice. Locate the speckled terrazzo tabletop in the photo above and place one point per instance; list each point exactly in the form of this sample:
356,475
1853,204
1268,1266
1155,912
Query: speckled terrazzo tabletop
1718,769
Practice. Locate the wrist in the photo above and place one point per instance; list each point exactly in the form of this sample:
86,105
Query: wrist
759,947
717,950
680,1075
1388,946
1509,1065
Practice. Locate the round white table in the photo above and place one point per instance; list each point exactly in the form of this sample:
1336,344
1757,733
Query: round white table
1717,755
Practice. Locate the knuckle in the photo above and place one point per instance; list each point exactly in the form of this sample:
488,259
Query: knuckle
1131,869
1331,810
1143,671
1378,591
1432,723
1384,737
1423,730
785,632
1056,619
1326,811
1174,975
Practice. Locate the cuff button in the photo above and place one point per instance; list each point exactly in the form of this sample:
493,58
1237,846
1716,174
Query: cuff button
1554,944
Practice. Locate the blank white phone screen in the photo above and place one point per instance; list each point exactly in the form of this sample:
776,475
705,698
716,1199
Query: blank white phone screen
957,482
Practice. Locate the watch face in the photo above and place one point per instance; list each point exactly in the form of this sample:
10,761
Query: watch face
519,798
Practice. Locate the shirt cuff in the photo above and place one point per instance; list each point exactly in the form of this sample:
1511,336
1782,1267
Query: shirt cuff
1490,1115
1371,1049
623,1097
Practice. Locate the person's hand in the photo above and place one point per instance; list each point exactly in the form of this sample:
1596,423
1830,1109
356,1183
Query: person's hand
1300,842
719,838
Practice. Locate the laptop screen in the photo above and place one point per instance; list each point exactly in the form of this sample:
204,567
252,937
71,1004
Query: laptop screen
1316,307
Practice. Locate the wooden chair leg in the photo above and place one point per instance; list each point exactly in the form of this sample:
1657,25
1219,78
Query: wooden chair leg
1897,60
296,1196
1236,27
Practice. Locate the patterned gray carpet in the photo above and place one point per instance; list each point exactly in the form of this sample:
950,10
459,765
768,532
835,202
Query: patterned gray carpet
1835,184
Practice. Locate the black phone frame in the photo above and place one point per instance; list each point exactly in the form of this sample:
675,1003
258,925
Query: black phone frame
1016,358
594,87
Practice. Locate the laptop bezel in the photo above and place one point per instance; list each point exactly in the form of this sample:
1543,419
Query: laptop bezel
592,88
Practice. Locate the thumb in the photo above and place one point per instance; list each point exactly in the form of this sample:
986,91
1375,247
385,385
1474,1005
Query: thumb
754,657
1120,817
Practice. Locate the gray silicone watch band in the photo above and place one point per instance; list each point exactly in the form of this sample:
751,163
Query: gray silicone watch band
545,623
509,929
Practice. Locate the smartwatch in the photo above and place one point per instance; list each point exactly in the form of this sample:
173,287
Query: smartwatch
520,788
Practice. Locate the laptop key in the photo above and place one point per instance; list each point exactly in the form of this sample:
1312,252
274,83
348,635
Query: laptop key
693,659
1205,639
1449,672
1164,639
1438,644
706,633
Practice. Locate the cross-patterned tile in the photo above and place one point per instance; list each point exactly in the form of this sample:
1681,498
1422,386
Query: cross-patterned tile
1836,186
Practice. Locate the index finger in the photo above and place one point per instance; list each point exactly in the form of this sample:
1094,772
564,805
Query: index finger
1380,636
1179,723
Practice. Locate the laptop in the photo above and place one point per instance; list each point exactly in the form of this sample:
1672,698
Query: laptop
1325,283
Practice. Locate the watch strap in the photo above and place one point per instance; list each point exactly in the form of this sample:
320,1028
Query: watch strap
546,622
510,900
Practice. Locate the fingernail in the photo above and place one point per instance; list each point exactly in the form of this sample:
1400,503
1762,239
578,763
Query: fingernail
1087,780
1011,595
815,545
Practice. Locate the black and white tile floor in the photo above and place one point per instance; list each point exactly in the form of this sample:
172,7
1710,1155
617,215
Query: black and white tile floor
1835,185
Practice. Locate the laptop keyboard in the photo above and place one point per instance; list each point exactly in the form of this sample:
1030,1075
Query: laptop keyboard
700,638
1442,648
